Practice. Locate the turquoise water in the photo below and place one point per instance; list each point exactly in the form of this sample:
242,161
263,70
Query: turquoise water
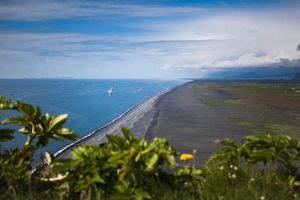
86,101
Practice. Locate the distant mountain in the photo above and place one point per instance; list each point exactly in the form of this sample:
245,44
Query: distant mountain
296,77
255,73
248,75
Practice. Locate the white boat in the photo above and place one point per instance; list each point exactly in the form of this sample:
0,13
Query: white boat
110,91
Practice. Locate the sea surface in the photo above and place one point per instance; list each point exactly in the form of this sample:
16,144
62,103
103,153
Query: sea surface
86,101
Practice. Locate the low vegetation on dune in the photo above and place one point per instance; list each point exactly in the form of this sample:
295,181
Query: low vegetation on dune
283,96
260,108
126,167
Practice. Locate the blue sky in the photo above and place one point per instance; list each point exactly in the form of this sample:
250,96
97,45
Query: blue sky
145,39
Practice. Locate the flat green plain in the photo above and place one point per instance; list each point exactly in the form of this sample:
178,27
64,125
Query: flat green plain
265,108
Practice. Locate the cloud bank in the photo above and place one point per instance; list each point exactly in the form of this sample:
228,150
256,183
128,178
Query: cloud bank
25,10
145,41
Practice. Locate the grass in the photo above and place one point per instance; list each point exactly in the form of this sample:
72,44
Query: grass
245,183
221,102
208,100
272,95
271,128
272,108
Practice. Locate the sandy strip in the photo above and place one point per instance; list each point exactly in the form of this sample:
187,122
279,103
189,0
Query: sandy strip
190,124
127,119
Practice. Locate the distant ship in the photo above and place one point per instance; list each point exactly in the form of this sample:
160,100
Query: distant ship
110,91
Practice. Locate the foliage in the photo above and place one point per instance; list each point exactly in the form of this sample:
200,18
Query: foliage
127,167
247,183
271,128
16,164
35,125
281,150
124,167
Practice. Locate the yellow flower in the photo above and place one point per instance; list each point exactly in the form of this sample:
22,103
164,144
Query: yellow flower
186,156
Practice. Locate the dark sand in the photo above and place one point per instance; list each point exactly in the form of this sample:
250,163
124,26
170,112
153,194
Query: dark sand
188,123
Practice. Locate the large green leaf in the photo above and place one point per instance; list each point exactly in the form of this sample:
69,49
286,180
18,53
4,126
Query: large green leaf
49,158
128,134
57,121
25,108
152,162
140,194
21,120
65,133
171,160
115,141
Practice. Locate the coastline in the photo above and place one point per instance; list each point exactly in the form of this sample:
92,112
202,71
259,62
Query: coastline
189,123
128,119
191,116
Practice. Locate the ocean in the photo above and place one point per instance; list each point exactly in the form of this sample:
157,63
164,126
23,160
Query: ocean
85,100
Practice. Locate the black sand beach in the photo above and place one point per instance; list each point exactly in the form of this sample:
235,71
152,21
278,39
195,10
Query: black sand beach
188,124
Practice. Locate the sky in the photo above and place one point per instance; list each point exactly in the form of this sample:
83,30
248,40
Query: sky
162,39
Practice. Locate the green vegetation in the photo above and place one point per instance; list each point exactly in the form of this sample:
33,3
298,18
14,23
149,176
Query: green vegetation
221,102
271,128
268,95
260,108
262,167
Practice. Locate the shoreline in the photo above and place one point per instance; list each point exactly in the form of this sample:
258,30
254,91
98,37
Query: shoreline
189,124
127,119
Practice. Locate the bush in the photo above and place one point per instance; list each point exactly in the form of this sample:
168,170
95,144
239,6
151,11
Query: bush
16,164
127,167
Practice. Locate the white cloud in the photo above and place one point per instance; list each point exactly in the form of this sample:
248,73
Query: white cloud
202,40
235,39
50,9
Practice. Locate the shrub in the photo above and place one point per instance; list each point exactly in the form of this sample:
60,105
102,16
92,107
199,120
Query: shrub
127,167
16,164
